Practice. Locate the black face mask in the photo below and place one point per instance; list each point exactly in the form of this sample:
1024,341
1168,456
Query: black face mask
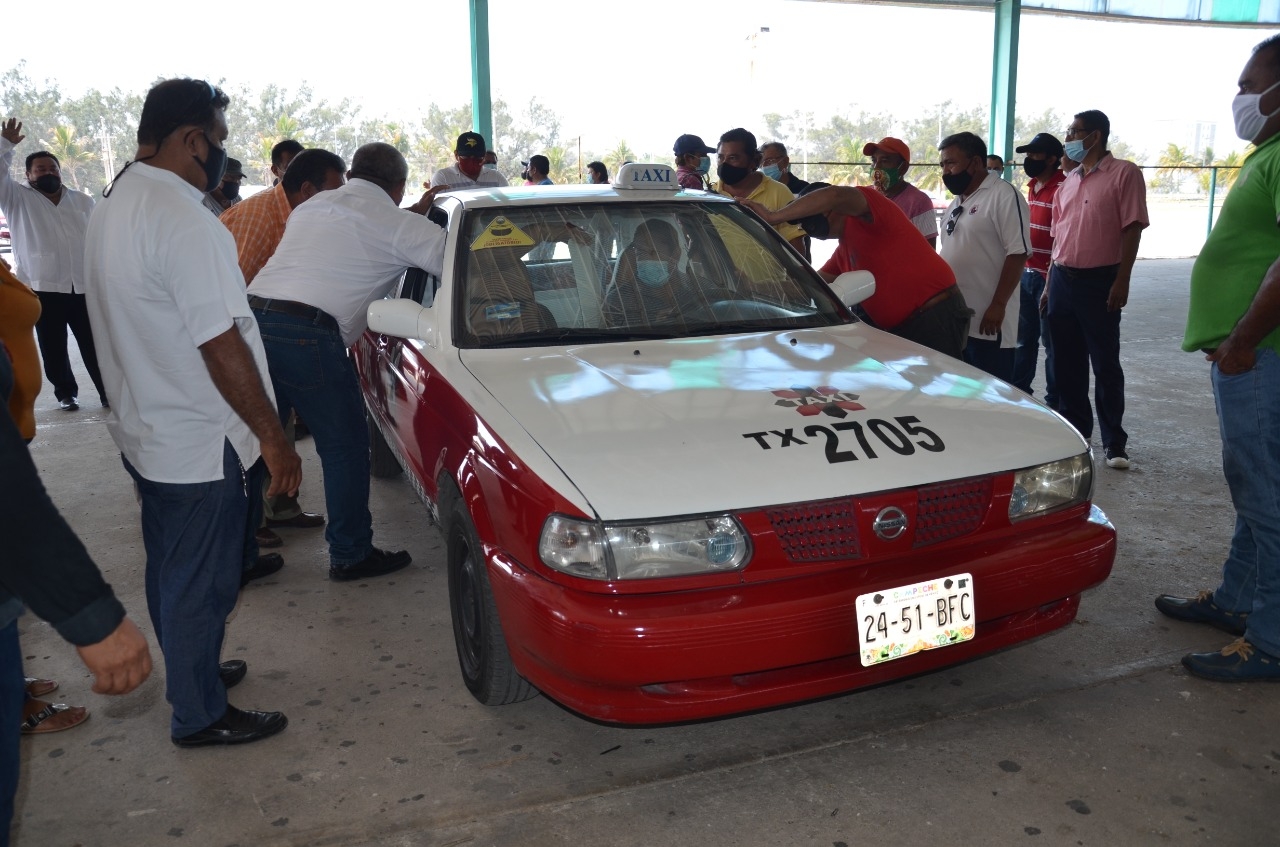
214,166
48,183
731,174
231,190
957,183
1034,167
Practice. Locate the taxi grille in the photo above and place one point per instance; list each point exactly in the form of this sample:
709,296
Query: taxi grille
817,532
951,509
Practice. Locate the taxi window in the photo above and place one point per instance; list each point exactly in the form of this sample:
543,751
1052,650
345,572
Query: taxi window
593,273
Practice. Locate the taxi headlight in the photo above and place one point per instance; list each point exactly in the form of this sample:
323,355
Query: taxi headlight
1047,488
644,550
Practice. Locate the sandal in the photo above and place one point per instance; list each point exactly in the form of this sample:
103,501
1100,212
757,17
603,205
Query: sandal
53,717
40,687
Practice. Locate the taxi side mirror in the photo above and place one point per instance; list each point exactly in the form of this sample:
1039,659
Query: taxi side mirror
852,287
403,319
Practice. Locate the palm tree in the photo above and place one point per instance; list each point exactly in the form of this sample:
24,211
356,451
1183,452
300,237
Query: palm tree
1228,169
72,151
851,170
1169,165
619,156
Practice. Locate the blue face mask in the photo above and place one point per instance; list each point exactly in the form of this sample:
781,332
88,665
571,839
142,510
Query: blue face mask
772,171
704,166
652,272
490,166
1075,150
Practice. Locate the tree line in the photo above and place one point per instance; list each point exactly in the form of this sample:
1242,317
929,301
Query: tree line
93,135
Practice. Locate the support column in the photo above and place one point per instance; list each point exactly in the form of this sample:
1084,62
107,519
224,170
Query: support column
1004,79
481,96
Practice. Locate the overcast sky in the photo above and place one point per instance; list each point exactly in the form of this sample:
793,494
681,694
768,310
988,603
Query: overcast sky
649,71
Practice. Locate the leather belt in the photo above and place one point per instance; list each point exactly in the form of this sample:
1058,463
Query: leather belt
294,309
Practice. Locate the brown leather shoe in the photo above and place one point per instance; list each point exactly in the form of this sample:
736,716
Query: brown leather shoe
302,520
267,538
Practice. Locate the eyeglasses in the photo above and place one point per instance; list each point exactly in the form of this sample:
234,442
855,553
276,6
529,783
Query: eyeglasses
954,218
1071,132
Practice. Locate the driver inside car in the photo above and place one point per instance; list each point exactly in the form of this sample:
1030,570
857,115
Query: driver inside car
648,288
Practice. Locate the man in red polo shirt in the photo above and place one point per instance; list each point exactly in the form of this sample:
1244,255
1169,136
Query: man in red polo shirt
1099,213
916,296
1042,160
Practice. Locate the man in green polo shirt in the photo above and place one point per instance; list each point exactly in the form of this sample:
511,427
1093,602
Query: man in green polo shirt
1234,315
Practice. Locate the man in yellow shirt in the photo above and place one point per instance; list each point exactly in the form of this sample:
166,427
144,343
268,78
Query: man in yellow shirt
737,166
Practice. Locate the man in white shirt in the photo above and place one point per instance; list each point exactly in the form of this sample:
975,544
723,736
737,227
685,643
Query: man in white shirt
48,222
468,170
342,250
183,360
986,238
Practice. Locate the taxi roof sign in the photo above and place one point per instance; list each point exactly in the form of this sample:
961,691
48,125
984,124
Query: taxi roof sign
646,177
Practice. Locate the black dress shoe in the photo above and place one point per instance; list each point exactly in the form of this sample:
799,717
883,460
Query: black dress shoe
237,726
302,520
232,671
377,563
69,405
265,566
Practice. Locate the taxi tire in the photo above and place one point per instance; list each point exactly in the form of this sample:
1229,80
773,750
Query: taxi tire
486,664
383,463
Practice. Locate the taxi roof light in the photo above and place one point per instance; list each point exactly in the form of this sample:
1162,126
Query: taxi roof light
636,176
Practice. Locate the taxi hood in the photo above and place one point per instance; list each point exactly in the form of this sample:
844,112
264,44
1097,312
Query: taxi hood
690,426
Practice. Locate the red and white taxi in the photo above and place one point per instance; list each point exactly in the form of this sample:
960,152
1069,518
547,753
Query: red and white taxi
678,479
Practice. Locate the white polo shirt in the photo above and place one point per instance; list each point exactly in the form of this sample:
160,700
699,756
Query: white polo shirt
162,279
456,180
993,223
345,248
48,239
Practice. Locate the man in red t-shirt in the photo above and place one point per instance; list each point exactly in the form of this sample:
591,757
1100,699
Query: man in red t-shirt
1042,163
916,294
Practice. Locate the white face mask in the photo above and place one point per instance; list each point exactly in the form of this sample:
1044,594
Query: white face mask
1248,114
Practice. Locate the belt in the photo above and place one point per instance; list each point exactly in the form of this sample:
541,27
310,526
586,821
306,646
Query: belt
294,309
937,298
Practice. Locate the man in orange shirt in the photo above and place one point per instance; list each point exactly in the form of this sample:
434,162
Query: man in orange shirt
257,224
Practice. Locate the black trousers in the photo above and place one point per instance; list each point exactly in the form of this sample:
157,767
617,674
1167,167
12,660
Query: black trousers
58,312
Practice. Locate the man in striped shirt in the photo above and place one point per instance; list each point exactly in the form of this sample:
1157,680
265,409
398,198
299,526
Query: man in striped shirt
1042,162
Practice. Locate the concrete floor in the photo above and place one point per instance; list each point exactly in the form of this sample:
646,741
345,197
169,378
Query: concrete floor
1089,736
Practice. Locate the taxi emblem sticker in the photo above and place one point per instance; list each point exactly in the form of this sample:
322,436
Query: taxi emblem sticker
501,233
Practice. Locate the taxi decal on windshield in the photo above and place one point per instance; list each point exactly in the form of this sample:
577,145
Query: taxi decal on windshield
501,233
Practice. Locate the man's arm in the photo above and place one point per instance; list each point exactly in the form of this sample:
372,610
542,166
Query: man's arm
842,199
1237,353
1130,237
234,373
10,131
1010,275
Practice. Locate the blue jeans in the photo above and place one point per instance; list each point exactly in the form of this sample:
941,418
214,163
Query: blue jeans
1249,420
312,374
13,694
194,538
1032,327
1085,333
987,354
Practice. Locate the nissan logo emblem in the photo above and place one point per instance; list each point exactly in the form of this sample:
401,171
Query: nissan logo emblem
890,523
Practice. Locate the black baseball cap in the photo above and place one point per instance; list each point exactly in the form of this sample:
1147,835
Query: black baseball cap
1042,143
470,144
687,144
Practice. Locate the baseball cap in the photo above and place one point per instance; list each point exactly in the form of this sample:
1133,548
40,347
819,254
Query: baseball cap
470,144
889,145
1042,143
687,144
235,170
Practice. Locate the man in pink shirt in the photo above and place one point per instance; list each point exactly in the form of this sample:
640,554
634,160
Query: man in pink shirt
1099,213
890,158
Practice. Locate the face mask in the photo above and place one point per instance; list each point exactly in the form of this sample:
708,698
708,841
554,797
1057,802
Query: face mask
214,166
1248,114
48,183
731,174
957,183
772,171
490,166
885,178
995,173
470,167
652,272
231,190
704,165
1075,150
1034,167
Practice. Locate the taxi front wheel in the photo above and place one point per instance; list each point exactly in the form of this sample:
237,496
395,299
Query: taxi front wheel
486,664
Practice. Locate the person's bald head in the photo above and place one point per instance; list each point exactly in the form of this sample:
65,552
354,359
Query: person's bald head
384,166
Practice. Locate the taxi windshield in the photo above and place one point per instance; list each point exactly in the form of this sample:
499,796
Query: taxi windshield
594,273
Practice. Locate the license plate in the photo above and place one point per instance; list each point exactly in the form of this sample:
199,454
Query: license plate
899,622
